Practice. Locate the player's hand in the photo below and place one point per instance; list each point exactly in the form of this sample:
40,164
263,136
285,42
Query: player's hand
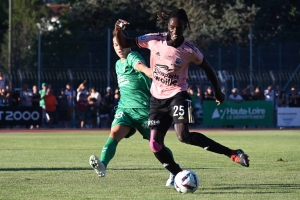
120,24
220,97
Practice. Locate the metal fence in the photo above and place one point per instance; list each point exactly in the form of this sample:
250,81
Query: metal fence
88,55
101,78
93,50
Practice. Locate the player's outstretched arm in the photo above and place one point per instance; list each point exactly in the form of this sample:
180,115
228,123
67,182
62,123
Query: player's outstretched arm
143,68
123,41
210,73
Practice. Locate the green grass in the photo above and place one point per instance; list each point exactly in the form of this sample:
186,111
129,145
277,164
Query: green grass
54,165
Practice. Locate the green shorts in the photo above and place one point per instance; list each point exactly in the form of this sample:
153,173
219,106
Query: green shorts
135,118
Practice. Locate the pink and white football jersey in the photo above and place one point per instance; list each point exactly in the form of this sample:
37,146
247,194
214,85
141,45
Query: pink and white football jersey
169,65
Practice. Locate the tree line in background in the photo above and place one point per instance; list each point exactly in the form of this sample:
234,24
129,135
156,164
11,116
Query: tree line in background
213,22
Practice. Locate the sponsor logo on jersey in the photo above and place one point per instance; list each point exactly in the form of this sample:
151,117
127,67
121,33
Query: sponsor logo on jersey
153,122
143,37
164,76
165,67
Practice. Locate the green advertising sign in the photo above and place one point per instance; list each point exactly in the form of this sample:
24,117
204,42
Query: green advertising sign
238,113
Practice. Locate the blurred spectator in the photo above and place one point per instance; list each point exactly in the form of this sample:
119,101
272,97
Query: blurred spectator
71,96
6,97
246,93
82,90
117,91
2,81
93,111
282,99
116,102
36,97
294,98
269,94
257,94
117,98
2,97
14,97
62,108
82,108
109,98
277,91
42,101
209,95
94,94
235,96
104,112
199,94
26,96
194,96
50,102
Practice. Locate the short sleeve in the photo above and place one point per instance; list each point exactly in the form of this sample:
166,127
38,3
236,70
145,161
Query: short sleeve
133,58
145,41
197,56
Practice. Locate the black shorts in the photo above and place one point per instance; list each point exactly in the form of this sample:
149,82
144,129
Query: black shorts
177,109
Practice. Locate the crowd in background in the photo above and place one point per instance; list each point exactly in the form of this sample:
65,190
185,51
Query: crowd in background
250,93
87,108
66,108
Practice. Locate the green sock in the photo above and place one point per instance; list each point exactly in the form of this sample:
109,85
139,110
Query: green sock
108,150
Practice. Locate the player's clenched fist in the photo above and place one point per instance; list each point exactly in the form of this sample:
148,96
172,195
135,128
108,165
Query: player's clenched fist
120,24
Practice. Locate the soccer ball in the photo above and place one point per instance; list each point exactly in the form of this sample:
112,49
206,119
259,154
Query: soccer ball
186,181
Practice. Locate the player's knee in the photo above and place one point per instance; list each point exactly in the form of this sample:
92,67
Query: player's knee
155,146
183,137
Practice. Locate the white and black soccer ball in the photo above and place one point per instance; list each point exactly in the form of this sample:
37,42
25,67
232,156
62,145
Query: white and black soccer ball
186,181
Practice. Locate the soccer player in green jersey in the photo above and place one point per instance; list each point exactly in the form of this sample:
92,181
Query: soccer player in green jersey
133,108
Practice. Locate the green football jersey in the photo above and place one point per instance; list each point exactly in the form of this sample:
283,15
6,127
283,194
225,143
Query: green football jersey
134,85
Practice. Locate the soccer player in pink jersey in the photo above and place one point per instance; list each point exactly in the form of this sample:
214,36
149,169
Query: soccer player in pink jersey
171,55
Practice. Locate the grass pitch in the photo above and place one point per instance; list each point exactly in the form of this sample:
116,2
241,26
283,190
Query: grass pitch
54,165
